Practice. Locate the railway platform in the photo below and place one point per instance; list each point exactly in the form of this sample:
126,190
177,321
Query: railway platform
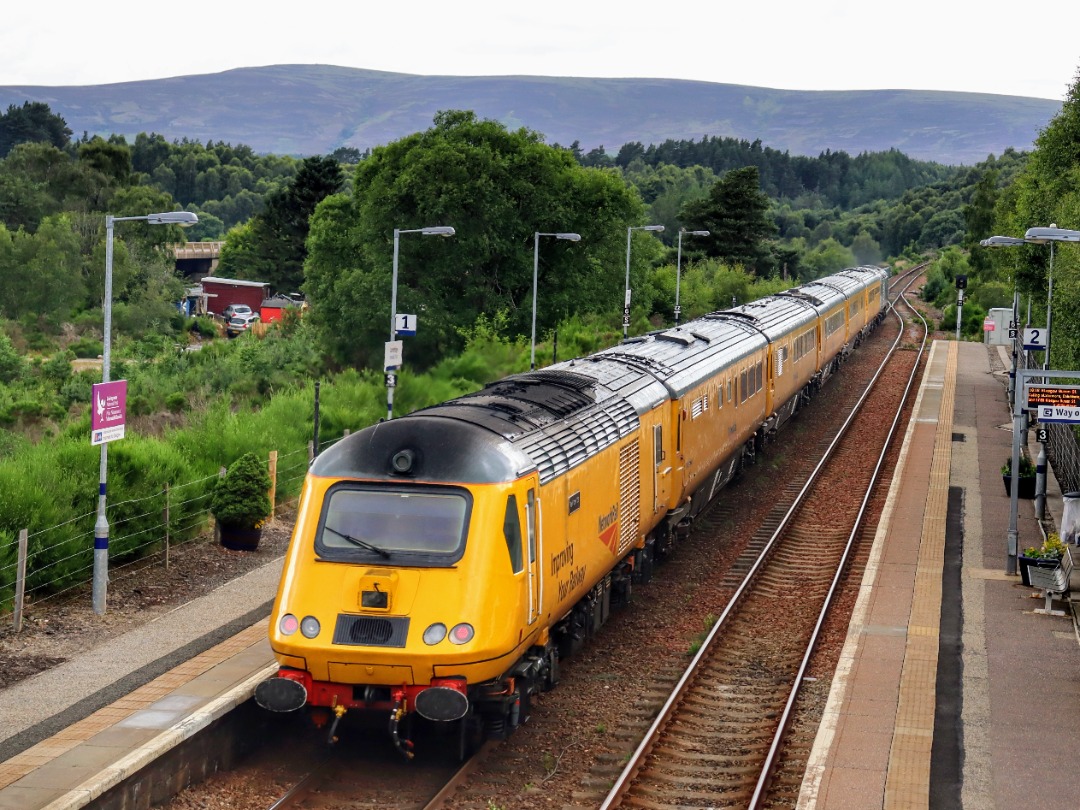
73,732
951,690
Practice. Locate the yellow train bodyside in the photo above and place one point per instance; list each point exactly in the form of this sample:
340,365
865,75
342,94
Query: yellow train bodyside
545,553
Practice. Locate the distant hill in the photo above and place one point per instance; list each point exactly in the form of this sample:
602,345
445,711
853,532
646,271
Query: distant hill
314,109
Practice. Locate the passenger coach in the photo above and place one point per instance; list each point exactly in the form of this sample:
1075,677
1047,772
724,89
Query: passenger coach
443,562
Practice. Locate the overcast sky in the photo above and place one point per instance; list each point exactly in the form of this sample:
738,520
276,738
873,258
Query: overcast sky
991,46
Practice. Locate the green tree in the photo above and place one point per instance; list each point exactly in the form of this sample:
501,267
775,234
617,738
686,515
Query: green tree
866,249
497,188
736,213
110,158
32,122
41,273
273,248
12,366
827,257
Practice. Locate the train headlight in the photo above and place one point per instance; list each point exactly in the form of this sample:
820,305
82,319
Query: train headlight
435,633
462,633
310,626
288,624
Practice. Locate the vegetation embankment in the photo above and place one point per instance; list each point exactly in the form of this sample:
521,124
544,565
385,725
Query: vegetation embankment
325,227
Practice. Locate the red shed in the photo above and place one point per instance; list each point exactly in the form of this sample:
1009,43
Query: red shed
220,292
273,308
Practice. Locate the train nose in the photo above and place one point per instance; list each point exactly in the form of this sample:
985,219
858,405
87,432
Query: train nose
281,695
441,703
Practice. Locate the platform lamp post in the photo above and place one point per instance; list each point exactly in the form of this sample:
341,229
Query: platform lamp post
434,230
184,219
678,267
569,237
1012,539
626,299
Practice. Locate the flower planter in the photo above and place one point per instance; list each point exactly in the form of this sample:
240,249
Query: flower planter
1025,486
1034,562
239,539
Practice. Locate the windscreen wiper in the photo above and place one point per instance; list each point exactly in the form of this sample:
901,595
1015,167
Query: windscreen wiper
358,542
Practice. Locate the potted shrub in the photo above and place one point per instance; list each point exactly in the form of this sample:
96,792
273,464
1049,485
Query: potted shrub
1026,483
240,503
1048,555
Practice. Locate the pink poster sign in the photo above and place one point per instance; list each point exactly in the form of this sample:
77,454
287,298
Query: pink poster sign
108,411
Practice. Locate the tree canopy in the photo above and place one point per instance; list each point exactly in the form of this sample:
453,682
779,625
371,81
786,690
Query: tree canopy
1046,193
736,215
271,245
496,188
32,122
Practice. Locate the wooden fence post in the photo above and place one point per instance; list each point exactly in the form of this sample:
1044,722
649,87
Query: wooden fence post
166,525
273,482
20,579
217,528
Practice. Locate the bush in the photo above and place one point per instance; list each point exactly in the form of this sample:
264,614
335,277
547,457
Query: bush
1027,467
176,402
242,498
87,347
202,326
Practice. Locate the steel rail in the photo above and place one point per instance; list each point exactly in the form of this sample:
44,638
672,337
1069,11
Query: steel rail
663,717
785,718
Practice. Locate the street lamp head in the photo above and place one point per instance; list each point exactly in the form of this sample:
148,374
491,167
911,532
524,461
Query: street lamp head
695,233
1002,241
438,230
569,237
185,219
1040,236
656,228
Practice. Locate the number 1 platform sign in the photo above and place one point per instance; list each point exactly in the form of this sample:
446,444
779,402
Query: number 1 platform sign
108,412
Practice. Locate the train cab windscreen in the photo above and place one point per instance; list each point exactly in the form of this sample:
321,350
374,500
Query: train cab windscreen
393,526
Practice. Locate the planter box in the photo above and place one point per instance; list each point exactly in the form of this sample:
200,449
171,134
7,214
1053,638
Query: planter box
239,539
1034,562
1025,488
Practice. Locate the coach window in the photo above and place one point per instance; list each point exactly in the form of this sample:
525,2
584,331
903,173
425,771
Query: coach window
512,533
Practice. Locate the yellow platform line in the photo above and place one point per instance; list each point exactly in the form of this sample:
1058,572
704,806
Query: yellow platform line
108,716
907,781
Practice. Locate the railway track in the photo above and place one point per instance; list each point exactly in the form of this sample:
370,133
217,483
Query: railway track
716,742
581,734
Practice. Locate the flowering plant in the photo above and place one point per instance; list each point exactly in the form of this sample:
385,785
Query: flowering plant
1051,549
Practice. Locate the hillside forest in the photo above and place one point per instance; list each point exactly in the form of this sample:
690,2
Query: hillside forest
325,226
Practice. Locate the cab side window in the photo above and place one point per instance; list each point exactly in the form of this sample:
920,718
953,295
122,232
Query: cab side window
512,533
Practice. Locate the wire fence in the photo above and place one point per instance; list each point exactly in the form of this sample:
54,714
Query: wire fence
61,557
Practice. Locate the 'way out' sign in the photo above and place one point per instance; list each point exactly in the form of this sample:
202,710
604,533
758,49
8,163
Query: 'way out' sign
1056,413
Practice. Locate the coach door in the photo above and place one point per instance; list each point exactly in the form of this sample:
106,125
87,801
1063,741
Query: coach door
661,470
532,554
